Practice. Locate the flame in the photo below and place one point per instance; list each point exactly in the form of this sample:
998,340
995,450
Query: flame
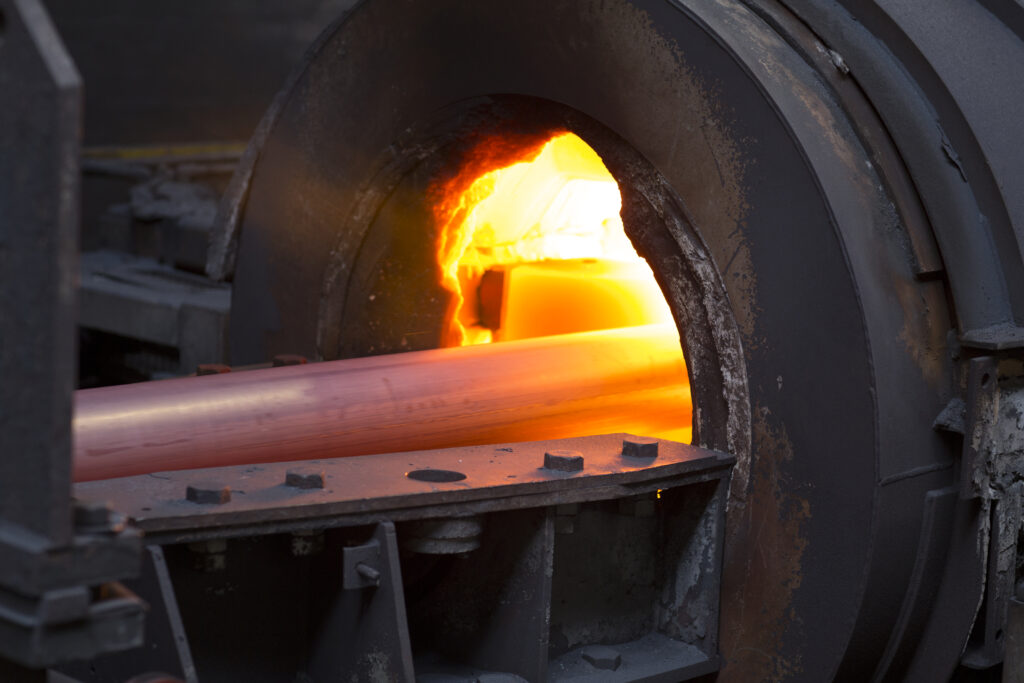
555,201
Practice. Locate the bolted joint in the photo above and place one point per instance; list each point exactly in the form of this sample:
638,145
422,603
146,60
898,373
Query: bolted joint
212,369
208,493
283,360
305,479
563,461
640,447
602,657
97,517
359,566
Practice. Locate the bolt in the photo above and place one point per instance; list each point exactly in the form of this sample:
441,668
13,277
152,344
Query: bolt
563,461
838,62
212,369
602,657
208,493
304,479
284,359
93,517
640,447
368,573
450,536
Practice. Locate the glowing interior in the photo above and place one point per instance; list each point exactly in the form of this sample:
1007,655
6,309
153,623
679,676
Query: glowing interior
537,248
551,225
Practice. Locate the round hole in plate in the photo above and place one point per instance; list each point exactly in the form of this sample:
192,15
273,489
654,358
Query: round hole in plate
435,476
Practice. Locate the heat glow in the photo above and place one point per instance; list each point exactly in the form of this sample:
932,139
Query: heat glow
549,226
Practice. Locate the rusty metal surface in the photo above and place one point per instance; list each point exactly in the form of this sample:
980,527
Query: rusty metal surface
766,214
816,166
303,569
368,488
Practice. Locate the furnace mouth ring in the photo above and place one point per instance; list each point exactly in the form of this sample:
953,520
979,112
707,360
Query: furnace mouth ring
382,279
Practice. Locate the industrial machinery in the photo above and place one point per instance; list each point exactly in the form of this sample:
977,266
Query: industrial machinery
442,429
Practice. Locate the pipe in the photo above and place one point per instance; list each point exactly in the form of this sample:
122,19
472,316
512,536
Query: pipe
622,380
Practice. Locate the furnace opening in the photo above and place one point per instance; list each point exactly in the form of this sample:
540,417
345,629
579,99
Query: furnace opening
531,244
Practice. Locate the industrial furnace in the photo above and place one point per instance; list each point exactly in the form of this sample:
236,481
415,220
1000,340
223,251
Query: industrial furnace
612,340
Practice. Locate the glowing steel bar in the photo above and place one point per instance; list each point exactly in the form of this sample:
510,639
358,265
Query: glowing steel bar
629,379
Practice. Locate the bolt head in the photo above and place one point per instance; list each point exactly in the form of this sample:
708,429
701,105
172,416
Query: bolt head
304,479
212,369
602,657
92,514
284,359
639,447
563,461
208,493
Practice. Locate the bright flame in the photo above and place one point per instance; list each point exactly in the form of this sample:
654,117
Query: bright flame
556,204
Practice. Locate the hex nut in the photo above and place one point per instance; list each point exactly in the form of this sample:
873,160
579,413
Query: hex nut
563,461
447,536
304,479
640,447
602,657
208,493
285,359
96,517
212,369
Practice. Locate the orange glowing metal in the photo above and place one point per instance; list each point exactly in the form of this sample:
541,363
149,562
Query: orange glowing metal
544,222
556,202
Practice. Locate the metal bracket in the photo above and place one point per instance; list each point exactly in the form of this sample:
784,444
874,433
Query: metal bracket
982,412
364,635
57,565
993,451
360,566
992,469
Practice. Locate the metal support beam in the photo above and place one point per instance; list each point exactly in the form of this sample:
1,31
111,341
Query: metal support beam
57,564
39,138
